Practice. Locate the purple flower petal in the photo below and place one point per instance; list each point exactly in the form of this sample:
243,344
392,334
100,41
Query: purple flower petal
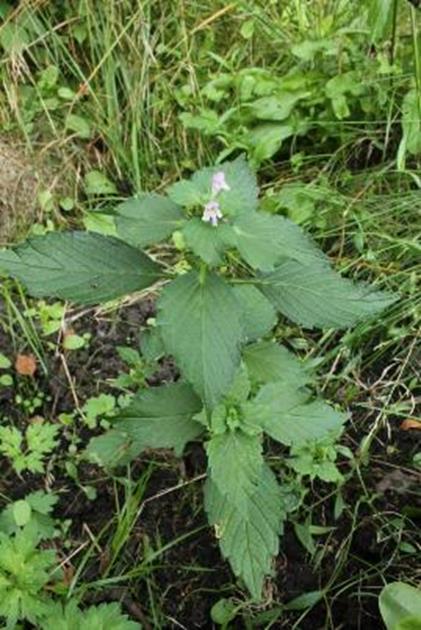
219,183
212,213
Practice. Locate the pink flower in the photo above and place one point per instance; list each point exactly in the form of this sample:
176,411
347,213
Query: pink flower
212,213
219,183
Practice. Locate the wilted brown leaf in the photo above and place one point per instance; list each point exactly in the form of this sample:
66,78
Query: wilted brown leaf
26,364
410,423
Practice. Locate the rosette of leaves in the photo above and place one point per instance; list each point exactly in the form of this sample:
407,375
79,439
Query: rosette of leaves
241,272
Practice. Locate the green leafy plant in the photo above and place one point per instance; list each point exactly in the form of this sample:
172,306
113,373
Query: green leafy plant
141,363
28,576
317,459
102,617
34,511
97,406
50,316
25,571
259,111
26,451
236,267
400,606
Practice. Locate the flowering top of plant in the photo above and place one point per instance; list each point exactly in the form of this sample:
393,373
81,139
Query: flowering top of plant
219,183
212,211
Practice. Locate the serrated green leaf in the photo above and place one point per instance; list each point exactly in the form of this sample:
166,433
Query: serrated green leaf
285,415
257,239
79,266
106,617
240,389
242,196
269,362
159,417
42,437
296,244
190,192
200,327
250,540
102,617
236,461
97,406
206,241
257,314
264,239
24,572
148,219
317,296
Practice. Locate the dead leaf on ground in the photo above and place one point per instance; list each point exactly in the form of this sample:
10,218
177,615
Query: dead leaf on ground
410,423
26,364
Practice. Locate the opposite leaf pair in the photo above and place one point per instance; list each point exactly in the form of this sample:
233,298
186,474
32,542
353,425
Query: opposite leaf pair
199,314
244,501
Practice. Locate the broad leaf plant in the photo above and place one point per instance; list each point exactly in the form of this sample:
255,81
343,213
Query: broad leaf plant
241,268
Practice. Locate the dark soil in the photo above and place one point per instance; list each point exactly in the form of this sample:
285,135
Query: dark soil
187,579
